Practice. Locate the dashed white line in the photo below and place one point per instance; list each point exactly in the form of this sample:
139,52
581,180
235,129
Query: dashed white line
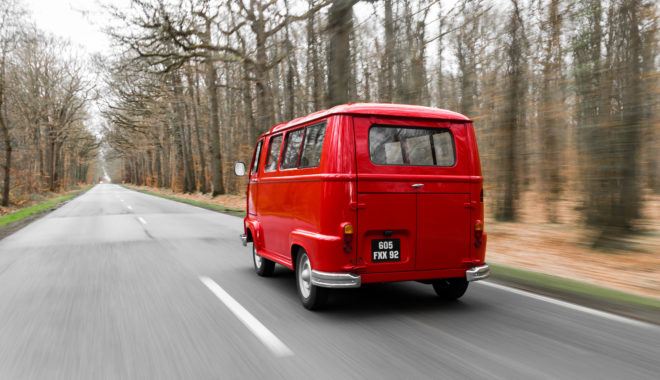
129,207
258,329
569,305
142,220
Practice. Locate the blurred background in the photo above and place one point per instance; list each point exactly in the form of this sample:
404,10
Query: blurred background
564,95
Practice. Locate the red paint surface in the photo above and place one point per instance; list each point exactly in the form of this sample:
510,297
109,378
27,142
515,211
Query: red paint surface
308,207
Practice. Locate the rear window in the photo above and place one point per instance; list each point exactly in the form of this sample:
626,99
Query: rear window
410,146
273,153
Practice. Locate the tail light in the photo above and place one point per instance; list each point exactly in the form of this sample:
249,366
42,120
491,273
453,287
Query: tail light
348,237
478,233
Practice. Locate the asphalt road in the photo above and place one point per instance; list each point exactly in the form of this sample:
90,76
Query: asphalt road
118,284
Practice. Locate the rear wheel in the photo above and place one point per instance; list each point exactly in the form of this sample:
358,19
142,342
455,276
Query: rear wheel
450,288
263,267
312,297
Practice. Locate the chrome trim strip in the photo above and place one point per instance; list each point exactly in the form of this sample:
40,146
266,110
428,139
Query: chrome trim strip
478,273
244,240
335,280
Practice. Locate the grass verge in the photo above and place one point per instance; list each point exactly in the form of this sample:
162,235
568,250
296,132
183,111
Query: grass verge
599,297
28,211
206,205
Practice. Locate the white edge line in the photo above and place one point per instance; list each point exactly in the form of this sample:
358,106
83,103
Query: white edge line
584,309
258,329
142,220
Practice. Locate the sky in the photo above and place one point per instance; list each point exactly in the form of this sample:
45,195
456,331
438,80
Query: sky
80,21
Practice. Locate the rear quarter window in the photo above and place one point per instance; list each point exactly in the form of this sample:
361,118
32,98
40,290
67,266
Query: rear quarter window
313,145
292,149
411,146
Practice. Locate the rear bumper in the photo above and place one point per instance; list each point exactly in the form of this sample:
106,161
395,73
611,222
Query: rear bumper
335,280
478,273
350,280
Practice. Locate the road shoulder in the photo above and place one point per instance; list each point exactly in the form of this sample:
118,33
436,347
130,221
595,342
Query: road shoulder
581,293
18,219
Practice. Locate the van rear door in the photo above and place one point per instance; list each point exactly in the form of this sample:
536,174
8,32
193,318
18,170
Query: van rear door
413,193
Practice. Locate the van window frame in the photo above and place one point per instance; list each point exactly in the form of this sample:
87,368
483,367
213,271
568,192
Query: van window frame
285,145
267,160
256,157
404,150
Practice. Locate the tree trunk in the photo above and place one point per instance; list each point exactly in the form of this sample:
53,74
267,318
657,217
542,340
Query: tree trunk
512,117
194,101
4,129
265,111
550,108
217,184
314,72
183,161
340,23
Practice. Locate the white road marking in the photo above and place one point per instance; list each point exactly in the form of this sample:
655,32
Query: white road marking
142,220
121,199
258,329
584,309
129,207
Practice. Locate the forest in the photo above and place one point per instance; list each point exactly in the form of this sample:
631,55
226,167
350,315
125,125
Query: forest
45,93
564,94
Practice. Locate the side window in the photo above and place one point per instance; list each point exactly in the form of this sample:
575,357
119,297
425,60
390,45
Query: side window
313,146
273,153
292,149
257,156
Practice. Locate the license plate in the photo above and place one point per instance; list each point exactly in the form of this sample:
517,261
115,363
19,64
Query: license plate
385,250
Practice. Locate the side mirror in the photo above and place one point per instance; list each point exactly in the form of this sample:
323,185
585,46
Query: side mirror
239,169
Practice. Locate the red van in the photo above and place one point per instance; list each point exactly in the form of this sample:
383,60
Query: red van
364,193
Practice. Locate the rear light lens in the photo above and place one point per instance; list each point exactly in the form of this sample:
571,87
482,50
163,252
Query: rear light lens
348,237
478,229
348,233
478,233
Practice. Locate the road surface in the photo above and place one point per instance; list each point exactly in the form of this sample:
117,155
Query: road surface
121,285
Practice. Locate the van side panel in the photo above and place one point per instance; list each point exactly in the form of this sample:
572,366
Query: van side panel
300,206
337,193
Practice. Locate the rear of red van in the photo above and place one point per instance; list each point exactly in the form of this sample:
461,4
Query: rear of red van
419,199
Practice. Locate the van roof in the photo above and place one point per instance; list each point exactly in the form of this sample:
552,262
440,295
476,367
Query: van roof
381,109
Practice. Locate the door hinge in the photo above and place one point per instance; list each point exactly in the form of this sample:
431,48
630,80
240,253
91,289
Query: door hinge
472,204
355,205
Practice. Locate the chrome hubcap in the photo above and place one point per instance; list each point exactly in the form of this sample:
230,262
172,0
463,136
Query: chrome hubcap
305,276
257,258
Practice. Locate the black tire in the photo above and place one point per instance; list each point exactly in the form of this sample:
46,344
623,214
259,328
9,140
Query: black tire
450,288
312,297
263,267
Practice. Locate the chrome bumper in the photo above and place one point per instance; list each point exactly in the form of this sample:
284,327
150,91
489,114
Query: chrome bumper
244,240
335,280
478,273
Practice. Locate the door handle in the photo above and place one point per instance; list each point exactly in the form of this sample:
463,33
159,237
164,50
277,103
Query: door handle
418,185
